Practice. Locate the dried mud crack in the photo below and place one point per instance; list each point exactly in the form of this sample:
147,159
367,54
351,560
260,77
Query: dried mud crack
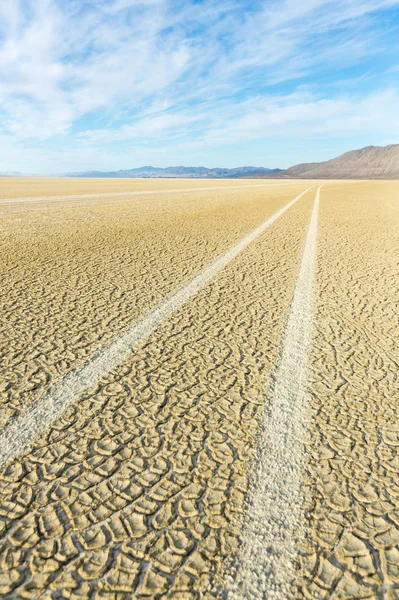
141,489
17,437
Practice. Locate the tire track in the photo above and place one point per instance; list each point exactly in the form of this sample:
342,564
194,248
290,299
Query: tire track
264,567
17,437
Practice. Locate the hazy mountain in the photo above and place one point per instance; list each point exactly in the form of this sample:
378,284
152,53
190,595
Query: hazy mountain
197,172
11,174
368,163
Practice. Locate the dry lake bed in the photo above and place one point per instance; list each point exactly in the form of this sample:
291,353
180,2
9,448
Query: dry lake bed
199,392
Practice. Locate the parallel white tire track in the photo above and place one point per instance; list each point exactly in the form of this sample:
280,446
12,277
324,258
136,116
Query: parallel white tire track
17,438
265,566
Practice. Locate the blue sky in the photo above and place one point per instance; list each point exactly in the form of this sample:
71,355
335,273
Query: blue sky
113,84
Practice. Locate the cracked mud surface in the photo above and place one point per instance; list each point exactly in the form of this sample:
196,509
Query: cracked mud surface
353,511
138,491
139,488
77,274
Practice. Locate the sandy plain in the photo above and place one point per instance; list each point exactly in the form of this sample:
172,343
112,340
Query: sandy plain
139,490
75,274
32,187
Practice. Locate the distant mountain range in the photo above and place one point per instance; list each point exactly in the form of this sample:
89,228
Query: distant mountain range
176,172
371,162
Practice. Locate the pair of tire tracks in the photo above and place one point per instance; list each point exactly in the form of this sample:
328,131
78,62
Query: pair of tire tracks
264,567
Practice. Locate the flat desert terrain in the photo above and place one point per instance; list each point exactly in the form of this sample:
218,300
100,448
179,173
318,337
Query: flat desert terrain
199,390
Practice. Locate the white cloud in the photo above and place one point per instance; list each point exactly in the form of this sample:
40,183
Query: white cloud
146,128
302,115
96,73
49,78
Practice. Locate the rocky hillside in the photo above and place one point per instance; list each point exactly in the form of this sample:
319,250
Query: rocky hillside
370,162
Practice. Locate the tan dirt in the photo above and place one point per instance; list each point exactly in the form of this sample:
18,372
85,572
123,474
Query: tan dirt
353,472
17,187
138,490
17,437
76,275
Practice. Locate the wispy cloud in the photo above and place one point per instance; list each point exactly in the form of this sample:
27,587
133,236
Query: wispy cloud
302,115
179,73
